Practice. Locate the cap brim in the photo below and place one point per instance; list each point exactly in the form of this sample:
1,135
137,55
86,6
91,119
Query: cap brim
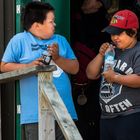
113,30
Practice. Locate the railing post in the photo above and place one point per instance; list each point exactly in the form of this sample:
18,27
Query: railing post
50,101
46,118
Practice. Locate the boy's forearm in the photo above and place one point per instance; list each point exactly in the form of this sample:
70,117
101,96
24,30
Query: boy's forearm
131,80
5,67
70,66
94,67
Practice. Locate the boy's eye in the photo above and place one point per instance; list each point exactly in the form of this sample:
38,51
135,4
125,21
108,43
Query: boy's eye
51,21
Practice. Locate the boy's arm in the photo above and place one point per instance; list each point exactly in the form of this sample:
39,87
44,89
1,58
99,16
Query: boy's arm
9,66
70,66
131,80
94,67
93,70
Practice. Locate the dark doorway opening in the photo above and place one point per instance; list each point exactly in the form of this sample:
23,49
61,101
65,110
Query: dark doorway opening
86,32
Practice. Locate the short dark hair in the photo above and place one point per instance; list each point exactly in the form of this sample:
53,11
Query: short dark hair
35,12
130,32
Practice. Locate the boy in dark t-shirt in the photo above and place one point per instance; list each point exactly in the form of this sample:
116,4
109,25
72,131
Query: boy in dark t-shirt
120,103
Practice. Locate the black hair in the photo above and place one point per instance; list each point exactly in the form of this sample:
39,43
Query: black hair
35,12
131,32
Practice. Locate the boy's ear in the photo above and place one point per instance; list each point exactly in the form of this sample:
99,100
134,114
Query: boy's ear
35,24
135,32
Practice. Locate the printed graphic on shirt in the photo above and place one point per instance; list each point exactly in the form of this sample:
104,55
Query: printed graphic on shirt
58,72
109,91
118,107
35,46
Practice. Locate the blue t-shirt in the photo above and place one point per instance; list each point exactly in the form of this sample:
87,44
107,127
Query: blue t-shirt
24,48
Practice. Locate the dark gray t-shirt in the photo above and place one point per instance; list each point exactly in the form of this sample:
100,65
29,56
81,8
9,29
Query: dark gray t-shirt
116,99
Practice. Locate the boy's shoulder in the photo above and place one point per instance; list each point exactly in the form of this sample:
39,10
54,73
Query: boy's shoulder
20,35
137,47
58,36
138,44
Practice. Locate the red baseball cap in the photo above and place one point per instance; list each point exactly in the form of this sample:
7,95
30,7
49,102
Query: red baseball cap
121,21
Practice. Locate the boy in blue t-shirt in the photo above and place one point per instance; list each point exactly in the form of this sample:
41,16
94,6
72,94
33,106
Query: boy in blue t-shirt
26,48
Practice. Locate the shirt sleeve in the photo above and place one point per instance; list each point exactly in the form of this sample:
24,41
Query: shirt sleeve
69,52
136,67
12,52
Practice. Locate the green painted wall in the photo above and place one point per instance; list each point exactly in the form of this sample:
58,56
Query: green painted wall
18,28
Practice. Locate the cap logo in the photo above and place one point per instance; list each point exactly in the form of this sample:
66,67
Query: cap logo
118,17
115,19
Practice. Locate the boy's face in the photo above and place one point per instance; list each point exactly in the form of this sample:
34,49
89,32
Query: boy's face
47,29
123,41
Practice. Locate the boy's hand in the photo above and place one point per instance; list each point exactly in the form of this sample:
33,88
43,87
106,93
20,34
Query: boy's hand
103,48
36,62
54,51
109,75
